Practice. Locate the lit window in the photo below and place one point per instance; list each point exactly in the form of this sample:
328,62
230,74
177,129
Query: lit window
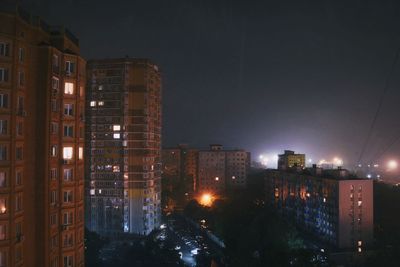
53,151
359,243
360,250
117,136
80,153
3,206
69,88
233,177
359,203
216,178
101,103
68,152
92,103
92,192
116,127
116,168
324,200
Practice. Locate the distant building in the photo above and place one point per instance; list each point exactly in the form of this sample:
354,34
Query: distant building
180,166
123,168
289,160
331,205
42,93
220,169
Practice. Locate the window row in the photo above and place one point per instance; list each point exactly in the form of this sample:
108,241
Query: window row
19,154
68,152
4,181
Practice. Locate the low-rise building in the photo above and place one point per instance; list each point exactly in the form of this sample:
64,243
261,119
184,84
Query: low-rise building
220,169
331,205
289,160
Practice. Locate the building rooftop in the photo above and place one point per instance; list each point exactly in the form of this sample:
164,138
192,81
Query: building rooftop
335,174
12,8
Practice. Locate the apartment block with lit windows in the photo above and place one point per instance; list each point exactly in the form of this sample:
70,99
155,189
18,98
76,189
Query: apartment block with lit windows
331,205
219,169
289,160
42,81
123,174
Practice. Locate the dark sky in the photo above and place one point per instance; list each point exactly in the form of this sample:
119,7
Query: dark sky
260,75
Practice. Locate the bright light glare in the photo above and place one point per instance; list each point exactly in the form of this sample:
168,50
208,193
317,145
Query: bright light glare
206,199
392,165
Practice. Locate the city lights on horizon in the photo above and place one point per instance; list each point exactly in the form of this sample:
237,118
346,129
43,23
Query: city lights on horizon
392,165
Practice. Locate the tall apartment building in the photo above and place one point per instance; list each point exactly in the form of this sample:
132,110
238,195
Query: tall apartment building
331,205
219,169
289,160
123,173
42,81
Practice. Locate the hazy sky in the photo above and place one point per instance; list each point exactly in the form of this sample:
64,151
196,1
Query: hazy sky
260,75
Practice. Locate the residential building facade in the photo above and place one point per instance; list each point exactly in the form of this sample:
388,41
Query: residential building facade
331,205
42,91
123,173
289,160
219,169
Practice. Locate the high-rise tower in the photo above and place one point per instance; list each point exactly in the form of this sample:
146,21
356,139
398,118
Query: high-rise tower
123,174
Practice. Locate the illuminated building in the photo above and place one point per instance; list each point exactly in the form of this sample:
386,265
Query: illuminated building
42,80
289,160
331,205
220,169
123,174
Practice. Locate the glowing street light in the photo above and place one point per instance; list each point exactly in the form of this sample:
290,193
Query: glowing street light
206,199
392,165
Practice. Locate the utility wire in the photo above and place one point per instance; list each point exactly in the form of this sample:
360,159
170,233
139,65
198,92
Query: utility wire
384,91
380,154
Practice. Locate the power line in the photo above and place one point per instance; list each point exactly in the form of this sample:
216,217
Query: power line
384,91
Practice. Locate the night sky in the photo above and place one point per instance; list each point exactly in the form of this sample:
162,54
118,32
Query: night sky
259,75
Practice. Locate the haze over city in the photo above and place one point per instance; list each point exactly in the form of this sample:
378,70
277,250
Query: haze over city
199,133
265,76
